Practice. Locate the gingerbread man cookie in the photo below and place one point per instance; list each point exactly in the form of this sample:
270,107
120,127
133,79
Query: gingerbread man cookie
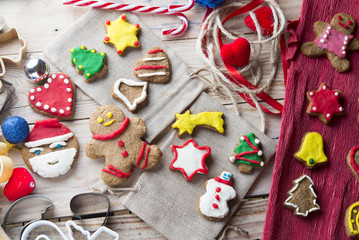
118,139
333,40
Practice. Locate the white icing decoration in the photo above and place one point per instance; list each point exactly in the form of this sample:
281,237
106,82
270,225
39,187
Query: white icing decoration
242,138
54,145
38,104
32,98
61,111
336,93
32,150
38,89
257,141
341,109
324,87
328,115
68,89
153,59
311,93
325,36
68,108
314,108
69,99
131,83
53,76
32,90
46,85
32,184
53,164
53,109
46,107
62,76
322,40
260,153
66,81
343,52
152,74
346,37
316,206
49,80
189,158
232,159
205,202
50,140
345,42
343,47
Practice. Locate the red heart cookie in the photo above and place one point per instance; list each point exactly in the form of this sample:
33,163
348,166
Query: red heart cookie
20,184
55,98
265,20
236,53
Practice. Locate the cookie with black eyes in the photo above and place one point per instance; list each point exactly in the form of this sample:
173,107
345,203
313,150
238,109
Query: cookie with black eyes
51,149
333,40
118,139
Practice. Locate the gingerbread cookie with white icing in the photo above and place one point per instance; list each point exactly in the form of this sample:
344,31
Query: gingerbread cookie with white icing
118,139
51,149
56,98
154,67
333,40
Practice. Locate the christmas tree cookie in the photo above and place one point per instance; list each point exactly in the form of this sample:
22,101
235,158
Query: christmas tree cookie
302,198
121,34
311,151
247,153
89,62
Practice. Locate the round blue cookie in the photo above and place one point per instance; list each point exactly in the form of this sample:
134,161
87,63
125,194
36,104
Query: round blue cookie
209,3
15,129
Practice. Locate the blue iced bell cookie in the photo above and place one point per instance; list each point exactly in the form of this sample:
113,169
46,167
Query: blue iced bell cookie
209,3
15,129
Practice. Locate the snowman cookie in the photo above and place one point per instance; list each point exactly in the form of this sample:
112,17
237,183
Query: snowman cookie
213,204
51,149
333,40
118,139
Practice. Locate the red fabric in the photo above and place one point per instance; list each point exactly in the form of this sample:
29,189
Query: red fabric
335,185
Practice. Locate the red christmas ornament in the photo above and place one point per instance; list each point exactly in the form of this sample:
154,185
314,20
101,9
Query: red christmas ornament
20,184
265,20
236,53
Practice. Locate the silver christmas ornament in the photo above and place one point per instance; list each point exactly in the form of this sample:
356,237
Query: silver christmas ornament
36,69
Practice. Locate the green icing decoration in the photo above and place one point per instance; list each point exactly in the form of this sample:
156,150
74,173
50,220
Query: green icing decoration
244,147
311,161
88,61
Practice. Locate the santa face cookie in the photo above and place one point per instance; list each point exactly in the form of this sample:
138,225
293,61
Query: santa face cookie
118,139
154,67
56,98
51,149
213,204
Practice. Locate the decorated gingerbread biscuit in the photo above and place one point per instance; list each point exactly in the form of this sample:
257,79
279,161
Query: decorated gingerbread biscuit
302,198
56,98
190,159
121,34
213,204
247,153
351,221
187,122
51,149
333,40
154,67
311,151
131,93
118,139
353,161
324,103
89,62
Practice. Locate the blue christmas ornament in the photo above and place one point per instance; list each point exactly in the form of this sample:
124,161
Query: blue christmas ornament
209,3
15,129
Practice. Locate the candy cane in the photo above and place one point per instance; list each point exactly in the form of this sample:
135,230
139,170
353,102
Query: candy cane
174,10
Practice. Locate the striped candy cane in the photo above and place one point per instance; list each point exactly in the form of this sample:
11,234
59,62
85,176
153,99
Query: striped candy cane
174,10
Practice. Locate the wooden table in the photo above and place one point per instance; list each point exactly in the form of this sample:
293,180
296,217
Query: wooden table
41,21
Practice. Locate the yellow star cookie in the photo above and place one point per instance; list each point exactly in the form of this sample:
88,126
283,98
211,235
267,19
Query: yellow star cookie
121,34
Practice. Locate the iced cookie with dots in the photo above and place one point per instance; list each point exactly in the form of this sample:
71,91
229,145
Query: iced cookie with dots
333,40
351,221
56,98
121,34
117,139
89,62
324,103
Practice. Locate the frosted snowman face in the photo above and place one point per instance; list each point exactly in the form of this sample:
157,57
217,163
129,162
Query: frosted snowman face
226,176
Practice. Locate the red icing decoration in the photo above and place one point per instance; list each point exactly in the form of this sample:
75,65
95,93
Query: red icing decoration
47,128
107,38
214,205
119,52
218,189
236,53
238,156
350,22
108,22
149,67
20,184
217,197
146,159
155,51
118,173
113,134
343,25
265,19
352,160
124,153
217,179
141,154
123,17
55,96
137,25
203,169
340,18
136,43
121,143
325,101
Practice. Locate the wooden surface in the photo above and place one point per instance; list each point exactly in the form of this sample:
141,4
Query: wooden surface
41,21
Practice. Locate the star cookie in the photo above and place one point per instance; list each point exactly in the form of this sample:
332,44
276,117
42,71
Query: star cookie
190,159
324,103
121,34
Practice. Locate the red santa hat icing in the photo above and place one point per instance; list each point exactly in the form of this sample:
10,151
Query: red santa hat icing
46,132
